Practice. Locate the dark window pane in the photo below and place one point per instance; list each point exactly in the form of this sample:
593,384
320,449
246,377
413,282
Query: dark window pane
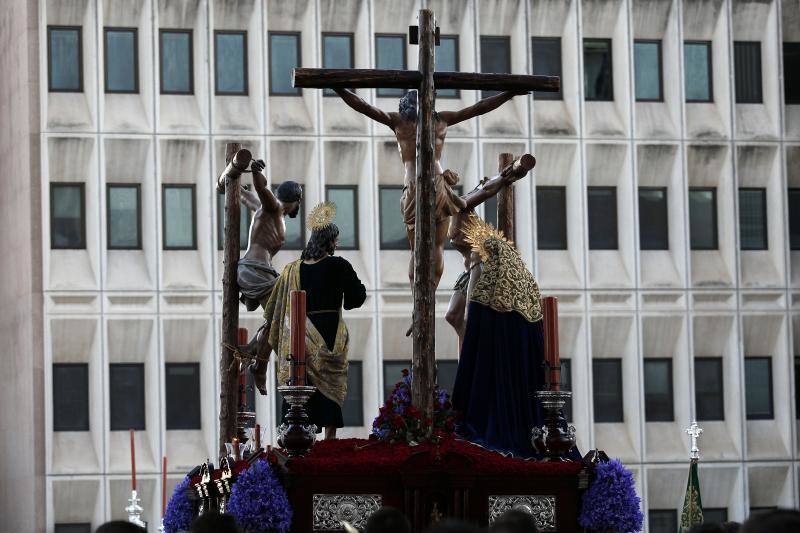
72,528
295,228
709,396
607,390
70,397
495,57
747,71
703,218
182,389
392,374
490,210
658,390
653,233
244,224
697,71
122,71
390,53
598,82
551,218
65,61
393,230
178,217
757,510
353,408
647,70
663,520
791,72
284,55
758,388
337,52
176,62
546,53
67,216
126,396
124,217
566,384
715,515
346,200
230,62
447,61
753,219
794,218
602,218
446,374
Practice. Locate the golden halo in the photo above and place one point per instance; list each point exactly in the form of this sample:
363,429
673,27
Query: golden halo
321,216
477,232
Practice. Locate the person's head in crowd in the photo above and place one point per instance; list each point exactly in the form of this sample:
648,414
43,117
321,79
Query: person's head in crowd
777,521
514,521
214,523
711,527
453,526
120,526
731,527
387,520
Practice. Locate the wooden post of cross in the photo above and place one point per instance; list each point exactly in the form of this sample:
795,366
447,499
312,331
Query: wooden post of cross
426,80
505,201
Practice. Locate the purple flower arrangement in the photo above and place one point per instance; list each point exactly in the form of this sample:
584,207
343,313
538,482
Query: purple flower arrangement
611,503
259,502
180,511
399,421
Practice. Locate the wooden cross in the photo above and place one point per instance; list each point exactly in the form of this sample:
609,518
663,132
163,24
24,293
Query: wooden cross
426,81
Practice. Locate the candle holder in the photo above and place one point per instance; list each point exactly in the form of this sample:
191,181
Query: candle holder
204,490
244,421
296,435
224,484
135,510
555,438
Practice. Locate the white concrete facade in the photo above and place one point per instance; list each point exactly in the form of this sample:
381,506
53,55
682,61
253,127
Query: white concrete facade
157,306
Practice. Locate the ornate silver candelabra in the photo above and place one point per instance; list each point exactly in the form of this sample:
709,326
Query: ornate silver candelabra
554,439
296,435
135,510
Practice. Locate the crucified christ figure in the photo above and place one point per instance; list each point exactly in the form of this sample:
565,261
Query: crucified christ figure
404,126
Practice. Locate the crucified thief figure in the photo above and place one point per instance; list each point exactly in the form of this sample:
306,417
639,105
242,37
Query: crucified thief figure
487,188
255,275
404,126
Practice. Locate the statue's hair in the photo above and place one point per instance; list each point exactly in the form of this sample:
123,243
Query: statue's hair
321,243
408,106
289,191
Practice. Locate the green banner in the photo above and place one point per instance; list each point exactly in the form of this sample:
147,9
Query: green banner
692,512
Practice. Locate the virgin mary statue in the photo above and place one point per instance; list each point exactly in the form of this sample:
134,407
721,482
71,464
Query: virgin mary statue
500,366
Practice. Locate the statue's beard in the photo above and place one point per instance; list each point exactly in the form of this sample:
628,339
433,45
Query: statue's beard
409,113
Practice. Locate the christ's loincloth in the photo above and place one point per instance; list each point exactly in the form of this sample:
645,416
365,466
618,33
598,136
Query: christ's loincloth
447,201
256,280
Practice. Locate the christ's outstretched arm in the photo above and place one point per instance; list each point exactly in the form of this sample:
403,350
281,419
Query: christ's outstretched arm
479,108
358,103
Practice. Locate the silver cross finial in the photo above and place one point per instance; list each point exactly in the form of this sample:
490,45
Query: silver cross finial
694,431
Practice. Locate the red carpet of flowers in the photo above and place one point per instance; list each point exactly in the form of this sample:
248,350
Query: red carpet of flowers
359,456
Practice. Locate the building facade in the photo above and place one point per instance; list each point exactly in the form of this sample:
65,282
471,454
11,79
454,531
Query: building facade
664,212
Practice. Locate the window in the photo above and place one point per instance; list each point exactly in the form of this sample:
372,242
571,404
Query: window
295,238
182,389
653,233
551,218
647,71
392,374
747,71
797,386
546,52
337,52
598,83
390,53
490,211
67,216
124,218
658,390
178,215
715,515
346,199
703,218
447,61
758,388
495,57
757,510
709,397
566,385
244,224
393,229
353,408
698,83
230,62
176,62
607,390
73,528
791,73
794,218
446,374
121,60
663,520
64,59
753,219
603,218
70,397
284,55
126,396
